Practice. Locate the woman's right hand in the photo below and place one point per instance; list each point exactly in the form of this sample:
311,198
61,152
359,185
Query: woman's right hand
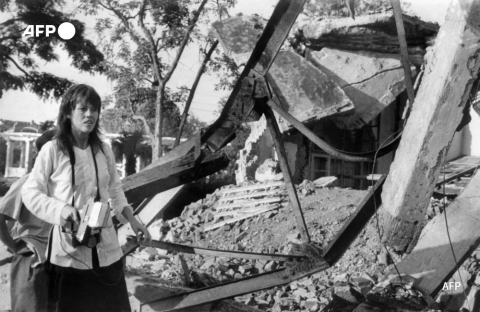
70,214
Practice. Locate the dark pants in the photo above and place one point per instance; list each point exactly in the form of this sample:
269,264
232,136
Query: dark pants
100,289
28,286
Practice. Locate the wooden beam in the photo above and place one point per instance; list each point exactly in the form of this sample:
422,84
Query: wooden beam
252,187
209,227
437,111
431,261
152,211
239,104
163,177
249,203
287,174
238,212
253,194
144,288
357,222
397,10
132,242
234,288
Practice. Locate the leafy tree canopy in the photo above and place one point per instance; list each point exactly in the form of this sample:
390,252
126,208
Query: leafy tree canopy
20,55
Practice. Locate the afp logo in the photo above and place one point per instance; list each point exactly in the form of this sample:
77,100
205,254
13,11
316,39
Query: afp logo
66,31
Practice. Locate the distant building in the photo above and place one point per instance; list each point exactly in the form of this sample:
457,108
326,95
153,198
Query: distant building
20,150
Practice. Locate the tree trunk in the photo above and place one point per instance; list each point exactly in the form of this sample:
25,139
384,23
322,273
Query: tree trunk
436,113
157,140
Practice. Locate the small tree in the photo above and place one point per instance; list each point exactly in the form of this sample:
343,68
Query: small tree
141,36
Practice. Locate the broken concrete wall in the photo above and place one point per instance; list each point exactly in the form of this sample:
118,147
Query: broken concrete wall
296,150
259,147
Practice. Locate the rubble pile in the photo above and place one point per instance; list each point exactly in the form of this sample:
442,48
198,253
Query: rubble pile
360,281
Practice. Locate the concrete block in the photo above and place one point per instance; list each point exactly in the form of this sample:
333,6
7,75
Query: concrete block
308,93
238,35
371,80
268,171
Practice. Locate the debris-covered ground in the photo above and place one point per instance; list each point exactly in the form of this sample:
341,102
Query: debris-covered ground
358,282
361,271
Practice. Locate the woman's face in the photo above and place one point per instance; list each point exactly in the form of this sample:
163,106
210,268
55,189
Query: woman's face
84,118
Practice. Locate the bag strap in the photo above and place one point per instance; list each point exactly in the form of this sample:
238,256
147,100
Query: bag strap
96,175
72,163
49,244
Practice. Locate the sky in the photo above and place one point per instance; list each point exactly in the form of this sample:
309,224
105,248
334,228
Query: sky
25,106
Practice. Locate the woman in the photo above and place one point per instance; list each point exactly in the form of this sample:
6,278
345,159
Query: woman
65,177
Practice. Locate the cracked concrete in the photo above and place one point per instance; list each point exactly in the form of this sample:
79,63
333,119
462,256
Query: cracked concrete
371,80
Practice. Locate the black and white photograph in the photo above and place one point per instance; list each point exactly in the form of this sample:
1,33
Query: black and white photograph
239,155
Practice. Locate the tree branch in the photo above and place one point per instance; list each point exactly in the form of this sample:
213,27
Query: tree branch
153,46
124,20
18,66
10,37
190,28
192,91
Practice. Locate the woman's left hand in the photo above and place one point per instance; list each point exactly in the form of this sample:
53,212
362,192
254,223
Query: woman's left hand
137,227
140,229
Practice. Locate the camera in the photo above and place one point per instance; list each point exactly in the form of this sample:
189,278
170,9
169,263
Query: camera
94,217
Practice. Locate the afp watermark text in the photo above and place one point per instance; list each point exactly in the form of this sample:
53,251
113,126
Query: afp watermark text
66,31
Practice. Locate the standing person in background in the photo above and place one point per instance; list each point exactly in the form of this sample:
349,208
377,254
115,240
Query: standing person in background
70,171
28,243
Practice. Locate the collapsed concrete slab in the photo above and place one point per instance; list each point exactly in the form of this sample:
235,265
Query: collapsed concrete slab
375,33
238,35
305,91
371,80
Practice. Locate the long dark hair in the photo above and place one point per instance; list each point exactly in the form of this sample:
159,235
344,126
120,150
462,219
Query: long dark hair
77,94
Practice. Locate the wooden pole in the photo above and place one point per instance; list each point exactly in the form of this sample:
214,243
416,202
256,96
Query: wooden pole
397,9
200,72
287,175
429,131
